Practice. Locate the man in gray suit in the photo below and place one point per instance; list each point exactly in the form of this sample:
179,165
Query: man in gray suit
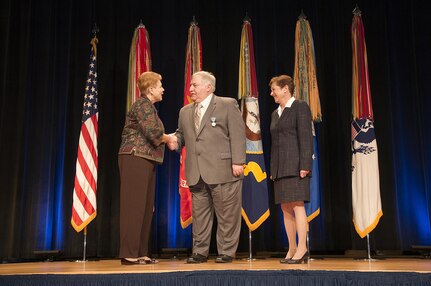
213,132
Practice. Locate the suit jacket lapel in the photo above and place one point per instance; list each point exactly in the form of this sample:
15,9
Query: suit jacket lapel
287,111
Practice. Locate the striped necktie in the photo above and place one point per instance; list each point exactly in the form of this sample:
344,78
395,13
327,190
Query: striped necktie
197,117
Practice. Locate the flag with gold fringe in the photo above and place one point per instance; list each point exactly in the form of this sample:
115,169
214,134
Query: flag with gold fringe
84,207
306,89
193,64
139,62
255,208
366,202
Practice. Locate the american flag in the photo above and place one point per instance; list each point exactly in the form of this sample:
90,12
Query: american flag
84,194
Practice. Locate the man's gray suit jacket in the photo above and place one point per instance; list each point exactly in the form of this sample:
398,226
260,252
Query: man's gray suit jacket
219,142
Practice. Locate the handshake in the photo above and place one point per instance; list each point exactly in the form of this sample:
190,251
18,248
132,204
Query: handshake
171,141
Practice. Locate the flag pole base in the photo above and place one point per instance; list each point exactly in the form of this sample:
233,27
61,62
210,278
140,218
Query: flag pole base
249,259
368,259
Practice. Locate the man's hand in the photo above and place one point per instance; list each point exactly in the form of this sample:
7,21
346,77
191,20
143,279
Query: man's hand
172,142
303,173
237,170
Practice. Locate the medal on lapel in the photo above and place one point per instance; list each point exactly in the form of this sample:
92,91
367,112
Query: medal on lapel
213,121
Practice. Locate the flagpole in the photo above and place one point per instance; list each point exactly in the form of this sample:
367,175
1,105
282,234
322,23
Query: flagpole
368,247
81,216
250,252
368,258
84,254
369,250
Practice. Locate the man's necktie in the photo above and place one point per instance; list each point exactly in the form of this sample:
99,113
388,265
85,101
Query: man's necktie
197,116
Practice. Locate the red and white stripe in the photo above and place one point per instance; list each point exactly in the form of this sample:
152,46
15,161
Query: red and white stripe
84,207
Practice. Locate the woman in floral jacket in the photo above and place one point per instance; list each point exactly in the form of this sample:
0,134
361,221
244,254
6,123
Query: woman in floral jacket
142,148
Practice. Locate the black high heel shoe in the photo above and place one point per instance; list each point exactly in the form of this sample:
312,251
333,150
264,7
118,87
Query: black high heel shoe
304,259
285,260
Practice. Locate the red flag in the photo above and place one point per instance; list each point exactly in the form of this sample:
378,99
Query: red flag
84,194
193,64
139,62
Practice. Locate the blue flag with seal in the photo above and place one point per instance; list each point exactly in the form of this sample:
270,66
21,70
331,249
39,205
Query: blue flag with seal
255,207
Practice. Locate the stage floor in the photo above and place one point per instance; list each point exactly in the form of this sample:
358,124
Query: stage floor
166,265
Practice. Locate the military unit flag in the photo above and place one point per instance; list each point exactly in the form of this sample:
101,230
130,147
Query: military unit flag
306,88
255,208
366,203
193,64
139,62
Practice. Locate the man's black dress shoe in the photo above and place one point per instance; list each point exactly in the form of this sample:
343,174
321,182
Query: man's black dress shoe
196,258
124,261
224,259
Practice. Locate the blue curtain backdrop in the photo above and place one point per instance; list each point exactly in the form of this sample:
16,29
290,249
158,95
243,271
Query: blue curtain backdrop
43,64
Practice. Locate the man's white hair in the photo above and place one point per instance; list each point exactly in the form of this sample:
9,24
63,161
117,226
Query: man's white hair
207,77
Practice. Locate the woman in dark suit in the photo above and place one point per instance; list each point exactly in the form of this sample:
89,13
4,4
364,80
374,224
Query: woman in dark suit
291,161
